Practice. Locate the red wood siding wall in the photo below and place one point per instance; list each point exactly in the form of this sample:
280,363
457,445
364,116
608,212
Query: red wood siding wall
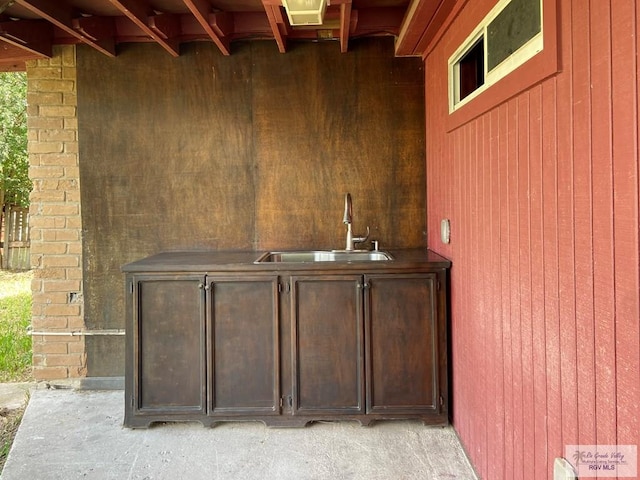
542,193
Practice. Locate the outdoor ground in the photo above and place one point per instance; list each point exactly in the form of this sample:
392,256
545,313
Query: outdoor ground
15,348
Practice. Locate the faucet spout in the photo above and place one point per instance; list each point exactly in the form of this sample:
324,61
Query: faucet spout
352,239
348,214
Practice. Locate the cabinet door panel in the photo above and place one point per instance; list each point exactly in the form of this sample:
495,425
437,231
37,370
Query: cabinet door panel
402,347
327,344
170,342
244,349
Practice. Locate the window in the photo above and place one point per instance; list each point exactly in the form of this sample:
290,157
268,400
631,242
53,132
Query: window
507,37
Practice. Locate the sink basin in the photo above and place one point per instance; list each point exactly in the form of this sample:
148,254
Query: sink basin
324,256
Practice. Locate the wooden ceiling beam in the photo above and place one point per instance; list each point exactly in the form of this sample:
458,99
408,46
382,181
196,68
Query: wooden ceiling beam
166,25
61,16
345,25
377,21
142,15
96,28
12,58
34,36
440,17
422,20
201,10
277,23
222,23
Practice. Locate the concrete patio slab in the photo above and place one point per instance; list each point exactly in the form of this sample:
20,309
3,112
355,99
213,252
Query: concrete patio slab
69,434
15,395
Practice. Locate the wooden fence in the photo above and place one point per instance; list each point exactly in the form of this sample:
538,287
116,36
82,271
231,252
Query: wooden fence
15,238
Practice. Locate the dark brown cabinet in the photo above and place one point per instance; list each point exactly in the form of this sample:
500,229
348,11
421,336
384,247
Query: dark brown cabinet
243,351
403,354
166,348
285,347
328,346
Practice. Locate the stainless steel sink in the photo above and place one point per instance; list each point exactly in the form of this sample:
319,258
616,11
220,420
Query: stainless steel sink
324,256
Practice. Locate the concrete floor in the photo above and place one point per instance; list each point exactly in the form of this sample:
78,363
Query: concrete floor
68,434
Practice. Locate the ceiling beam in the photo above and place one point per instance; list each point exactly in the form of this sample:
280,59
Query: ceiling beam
421,22
12,58
98,29
61,16
446,10
166,25
142,15
34,36
201,10
222,22
277,23
345,25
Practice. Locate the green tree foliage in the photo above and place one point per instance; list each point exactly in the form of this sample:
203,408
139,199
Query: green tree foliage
14,161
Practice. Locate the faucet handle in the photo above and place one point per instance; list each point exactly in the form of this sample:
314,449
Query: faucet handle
362,239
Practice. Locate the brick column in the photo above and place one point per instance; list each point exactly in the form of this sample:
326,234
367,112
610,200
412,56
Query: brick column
56,229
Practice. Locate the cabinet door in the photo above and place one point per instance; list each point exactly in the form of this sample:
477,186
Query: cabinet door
402,346
243,338
327,344
168,344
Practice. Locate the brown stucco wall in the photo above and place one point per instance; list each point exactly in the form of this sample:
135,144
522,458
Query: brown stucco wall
251,151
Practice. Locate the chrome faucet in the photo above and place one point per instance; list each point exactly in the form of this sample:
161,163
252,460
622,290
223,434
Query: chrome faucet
347,220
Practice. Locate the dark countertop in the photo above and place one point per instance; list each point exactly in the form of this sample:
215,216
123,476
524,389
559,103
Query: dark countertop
235,261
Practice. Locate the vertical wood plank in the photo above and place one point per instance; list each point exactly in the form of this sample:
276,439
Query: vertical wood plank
515,469
583,218
550,258
482,266
505,288
539,344
496,452
603,240
626,242
527,408
566,251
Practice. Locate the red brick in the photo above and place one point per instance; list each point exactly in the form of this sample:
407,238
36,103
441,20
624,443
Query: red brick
59,209
62,159
54,73
44,348
51,85
57,111
48,298
59,135
76,322
45,122
46,171
50,373
47,196
41,98
48,324
60,286
54,311
51,273
48,248
77,347
68,235
70,359
45,147
78,372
